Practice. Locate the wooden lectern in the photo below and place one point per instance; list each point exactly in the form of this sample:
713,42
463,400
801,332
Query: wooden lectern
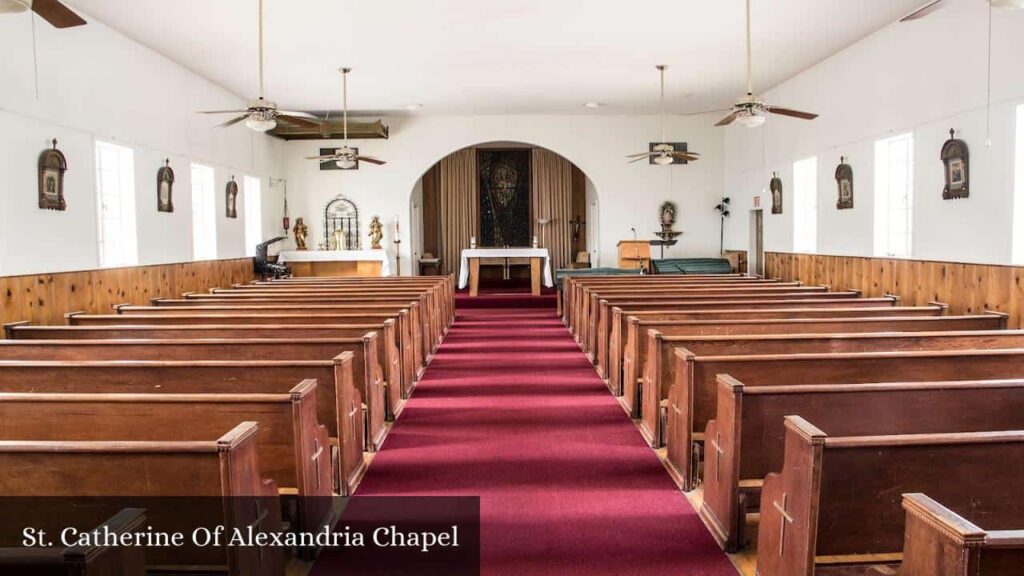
634,254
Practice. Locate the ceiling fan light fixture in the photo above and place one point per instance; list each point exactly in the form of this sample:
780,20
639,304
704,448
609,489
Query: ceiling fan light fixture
345,163
14,6
592,105
1015,4
750,119
663,160
413,107
261,121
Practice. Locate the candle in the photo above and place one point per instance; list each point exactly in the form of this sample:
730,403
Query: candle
398,236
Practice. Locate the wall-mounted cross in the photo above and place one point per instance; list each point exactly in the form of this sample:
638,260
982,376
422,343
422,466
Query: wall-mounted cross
317,451
784,519
718,456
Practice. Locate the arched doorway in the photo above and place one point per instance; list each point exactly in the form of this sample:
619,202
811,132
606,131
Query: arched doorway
503,194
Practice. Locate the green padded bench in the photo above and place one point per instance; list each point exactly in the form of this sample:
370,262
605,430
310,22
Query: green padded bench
692,266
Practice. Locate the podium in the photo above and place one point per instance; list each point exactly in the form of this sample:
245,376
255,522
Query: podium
635,254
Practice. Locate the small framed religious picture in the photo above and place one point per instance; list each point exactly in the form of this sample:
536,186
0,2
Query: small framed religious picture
957,168
52,166
231,198
844,185
165,188
775,185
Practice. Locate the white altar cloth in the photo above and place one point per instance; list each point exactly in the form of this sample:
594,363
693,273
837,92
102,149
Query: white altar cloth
338,256
504,253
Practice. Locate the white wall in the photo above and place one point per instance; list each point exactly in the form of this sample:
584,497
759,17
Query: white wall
95,84
926,77
629,194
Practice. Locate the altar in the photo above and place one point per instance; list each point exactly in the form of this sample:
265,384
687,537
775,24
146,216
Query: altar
336,262
540,266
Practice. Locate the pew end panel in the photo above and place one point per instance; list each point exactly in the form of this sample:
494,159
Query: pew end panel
789,507
9,328
1003,316
312,458
938,541
349,463
721,508
683,436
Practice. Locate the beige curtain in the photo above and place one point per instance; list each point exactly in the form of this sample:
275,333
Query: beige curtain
552,199
459,191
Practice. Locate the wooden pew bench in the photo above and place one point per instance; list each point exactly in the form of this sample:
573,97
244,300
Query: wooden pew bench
633,351
660,366
96,560
745,440
940,542
811,519
294,449
693,399
388,354
412,361
338,401
226,466
618,310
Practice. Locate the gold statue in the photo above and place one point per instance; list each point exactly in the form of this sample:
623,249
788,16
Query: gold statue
300,231
376,233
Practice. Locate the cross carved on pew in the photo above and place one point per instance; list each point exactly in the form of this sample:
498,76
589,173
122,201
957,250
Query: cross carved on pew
718,457
352,422
256,525
317,451
784,519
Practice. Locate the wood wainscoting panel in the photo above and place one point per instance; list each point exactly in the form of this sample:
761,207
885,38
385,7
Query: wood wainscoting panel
45,298
967,288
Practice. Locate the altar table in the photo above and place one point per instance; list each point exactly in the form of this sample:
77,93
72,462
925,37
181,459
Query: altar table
336,262
469,268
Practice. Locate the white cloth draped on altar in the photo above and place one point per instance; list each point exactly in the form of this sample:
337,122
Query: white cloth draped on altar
504,253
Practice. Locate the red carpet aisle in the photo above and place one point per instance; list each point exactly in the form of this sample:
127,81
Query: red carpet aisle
512,411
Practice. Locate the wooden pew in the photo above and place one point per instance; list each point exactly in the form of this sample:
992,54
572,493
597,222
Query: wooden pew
812,519
94,560
632,353
294,449
940,542
566,286
660,367
587,312
338,401
745,440
388,355
412,360
692,401
620,310
224,467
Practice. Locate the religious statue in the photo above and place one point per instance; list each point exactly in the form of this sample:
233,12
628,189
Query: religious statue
376,233
300,231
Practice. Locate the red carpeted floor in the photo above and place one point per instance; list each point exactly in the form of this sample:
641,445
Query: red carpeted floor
510,410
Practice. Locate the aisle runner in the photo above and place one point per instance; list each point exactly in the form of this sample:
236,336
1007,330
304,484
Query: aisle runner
512,411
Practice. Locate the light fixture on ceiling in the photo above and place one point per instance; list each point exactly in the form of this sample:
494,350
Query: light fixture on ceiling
345,157
749,111
593,105
261,115
663,153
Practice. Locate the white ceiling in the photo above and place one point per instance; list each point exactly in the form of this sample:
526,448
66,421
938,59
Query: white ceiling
497,56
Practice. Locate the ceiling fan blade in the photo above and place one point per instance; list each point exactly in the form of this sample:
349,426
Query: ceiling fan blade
641,154
294,114
324,157
703,112
640,158
686,156
924,10
231,122
297,120
728,119
371,160
331,159
57,14
793,113
223,112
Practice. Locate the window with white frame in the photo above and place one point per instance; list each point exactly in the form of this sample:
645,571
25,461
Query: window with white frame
253,214
805,205
204,214
1018,193
115,205
894,196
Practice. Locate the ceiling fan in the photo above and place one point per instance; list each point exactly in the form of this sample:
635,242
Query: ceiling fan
748,110
345,157
663,152
934,5
57,14
260,114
